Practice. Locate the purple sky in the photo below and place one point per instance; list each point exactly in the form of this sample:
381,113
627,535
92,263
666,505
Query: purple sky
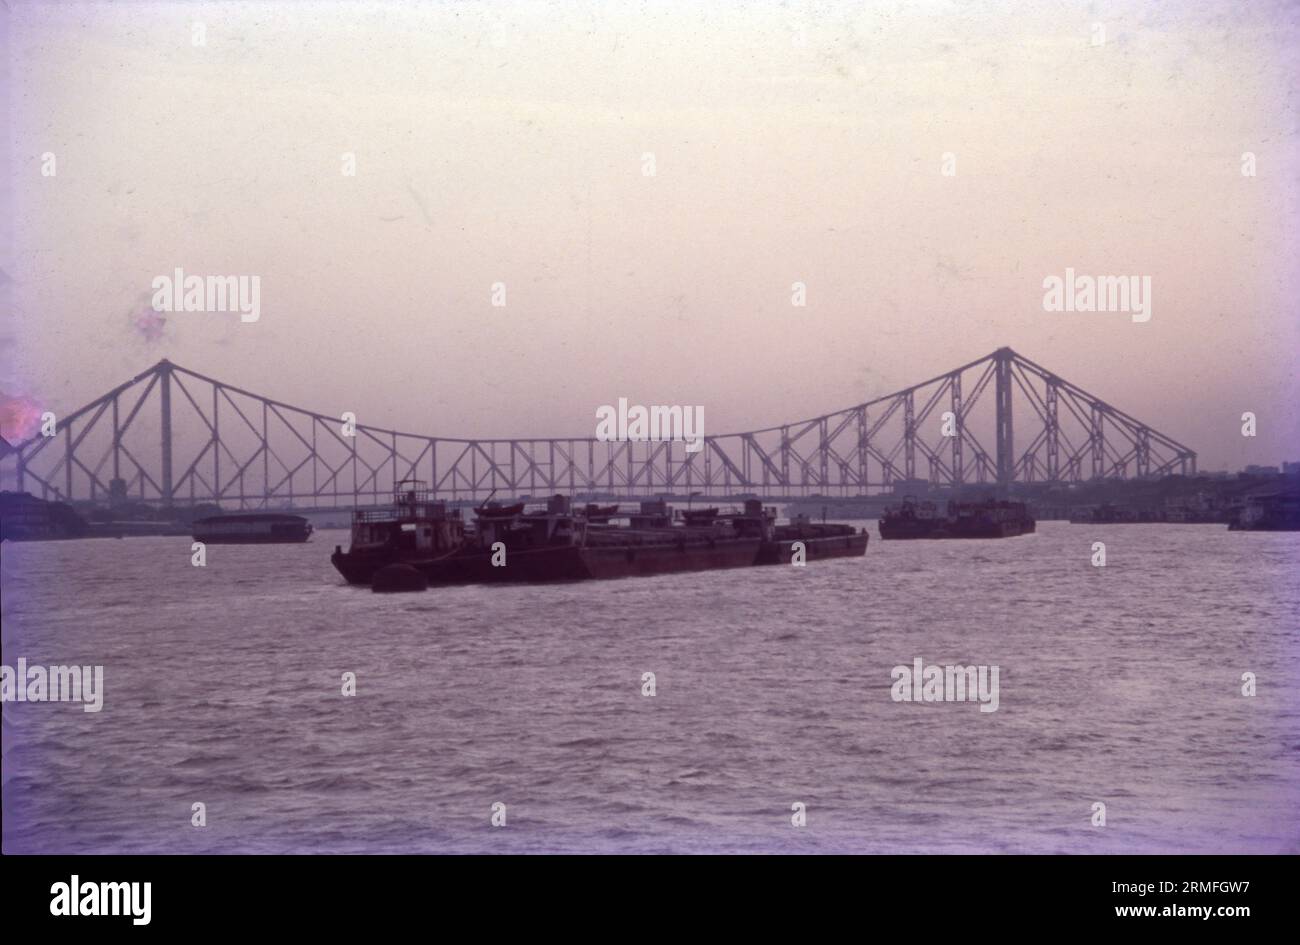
507,143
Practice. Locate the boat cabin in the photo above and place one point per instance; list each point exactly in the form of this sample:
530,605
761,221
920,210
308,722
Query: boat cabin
415,523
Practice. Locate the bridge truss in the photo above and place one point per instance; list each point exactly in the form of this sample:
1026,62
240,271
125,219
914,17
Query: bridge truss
173,436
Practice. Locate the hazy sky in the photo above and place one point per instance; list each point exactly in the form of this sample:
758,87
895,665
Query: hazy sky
506,142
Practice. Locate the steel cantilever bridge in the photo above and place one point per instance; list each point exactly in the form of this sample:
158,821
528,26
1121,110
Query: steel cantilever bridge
173,436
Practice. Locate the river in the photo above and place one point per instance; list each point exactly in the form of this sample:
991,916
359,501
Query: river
223,686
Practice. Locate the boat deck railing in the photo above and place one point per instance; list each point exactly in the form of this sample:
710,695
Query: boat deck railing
405,513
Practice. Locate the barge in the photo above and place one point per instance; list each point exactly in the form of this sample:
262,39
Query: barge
781,542
517,544
251,529
1108,514
989,519
825,540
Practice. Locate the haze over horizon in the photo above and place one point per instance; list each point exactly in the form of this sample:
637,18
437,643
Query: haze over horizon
506,143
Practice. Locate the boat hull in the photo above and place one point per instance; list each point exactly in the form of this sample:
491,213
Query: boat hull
904,531
782,551
615,561
252,529
560,563
253,539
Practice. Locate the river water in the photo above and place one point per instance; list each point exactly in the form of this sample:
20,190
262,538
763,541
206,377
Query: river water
223,686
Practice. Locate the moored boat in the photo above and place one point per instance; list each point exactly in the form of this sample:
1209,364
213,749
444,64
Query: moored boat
515,544
1278,512
988,519
816,540
251,529
494,510
518,544
1107,514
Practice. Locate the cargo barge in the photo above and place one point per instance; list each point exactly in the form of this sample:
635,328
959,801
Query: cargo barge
814,541
516,544
817,541
251,529
989,519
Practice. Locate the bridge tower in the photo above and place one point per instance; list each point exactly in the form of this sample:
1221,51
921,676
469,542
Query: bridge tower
1005,443
165,402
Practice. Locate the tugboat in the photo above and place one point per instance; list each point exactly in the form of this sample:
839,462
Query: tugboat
988,519
414,528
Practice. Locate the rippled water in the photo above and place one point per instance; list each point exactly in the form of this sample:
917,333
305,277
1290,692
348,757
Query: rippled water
223,686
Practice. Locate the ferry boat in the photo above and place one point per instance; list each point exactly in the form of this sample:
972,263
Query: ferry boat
518,544
988,519
251,529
